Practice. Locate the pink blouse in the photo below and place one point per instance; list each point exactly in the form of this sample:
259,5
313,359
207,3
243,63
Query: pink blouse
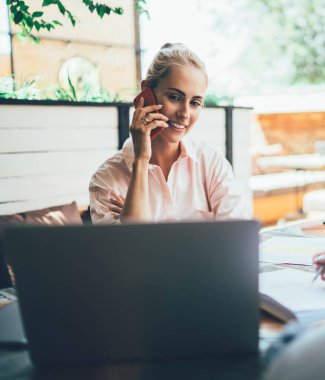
200,184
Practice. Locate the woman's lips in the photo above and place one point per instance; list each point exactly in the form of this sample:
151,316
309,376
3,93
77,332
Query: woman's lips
176,126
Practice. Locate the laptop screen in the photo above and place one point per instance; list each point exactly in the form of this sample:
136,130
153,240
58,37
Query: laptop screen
137,291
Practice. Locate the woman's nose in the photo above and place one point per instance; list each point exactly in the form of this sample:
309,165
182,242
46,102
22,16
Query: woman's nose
184,111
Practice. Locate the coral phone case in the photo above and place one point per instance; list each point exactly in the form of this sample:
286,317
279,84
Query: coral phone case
149,99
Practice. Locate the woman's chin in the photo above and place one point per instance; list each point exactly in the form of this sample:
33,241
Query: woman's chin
174,135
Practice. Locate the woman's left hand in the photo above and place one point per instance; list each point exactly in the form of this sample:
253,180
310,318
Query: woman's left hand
117,205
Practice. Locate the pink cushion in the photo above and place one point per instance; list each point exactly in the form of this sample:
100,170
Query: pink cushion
53,216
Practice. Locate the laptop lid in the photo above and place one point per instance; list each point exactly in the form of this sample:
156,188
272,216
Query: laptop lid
137,292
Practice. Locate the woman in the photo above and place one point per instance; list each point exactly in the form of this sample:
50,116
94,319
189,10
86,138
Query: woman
169,178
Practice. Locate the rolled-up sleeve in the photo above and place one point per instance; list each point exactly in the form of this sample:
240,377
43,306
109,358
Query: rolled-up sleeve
100,205
110,182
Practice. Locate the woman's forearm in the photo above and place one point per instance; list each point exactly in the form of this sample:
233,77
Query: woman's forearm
136,206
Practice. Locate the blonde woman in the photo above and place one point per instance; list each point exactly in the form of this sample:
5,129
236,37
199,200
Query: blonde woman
169,178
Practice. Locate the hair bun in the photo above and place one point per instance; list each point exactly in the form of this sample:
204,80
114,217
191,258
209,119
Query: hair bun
169,45
170,56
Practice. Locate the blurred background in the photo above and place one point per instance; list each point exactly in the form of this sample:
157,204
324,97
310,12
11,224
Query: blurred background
266,57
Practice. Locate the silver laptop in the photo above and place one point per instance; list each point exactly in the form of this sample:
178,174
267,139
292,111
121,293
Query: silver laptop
137,292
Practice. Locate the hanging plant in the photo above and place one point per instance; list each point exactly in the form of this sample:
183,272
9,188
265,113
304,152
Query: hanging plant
34,21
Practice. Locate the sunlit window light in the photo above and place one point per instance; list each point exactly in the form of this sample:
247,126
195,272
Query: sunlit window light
5,47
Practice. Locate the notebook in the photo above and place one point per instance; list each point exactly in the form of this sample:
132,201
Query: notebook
291,294
122,293
11,331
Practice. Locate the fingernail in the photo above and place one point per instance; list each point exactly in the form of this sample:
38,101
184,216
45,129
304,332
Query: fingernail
159,105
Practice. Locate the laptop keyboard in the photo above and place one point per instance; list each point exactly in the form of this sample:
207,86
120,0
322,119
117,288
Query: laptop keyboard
8,295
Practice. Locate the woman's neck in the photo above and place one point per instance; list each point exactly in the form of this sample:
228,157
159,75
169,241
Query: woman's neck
165,155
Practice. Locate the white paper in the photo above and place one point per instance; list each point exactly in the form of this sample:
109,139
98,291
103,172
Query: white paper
290,250
294,289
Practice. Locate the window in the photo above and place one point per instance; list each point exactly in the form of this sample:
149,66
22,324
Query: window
5,43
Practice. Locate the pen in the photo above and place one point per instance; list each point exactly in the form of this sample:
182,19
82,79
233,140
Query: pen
320,269
317,273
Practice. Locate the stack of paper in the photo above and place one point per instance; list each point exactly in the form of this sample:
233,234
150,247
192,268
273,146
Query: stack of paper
290,250
293,293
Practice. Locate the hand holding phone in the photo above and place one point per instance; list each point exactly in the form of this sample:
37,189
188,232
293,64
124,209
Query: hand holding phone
149,100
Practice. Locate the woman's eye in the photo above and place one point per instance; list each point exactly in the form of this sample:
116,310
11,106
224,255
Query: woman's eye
197,104
174,97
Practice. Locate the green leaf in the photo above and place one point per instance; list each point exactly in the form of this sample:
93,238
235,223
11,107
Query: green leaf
29,22
37,25
74,94
37,14
18,17
36,40
118,11
48,2
91,6
72,19
61,7
101,10
140,6
57,22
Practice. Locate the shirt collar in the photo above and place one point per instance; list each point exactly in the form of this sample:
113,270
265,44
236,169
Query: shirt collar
187,150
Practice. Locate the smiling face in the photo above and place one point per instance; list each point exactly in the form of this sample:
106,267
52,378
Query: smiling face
181,93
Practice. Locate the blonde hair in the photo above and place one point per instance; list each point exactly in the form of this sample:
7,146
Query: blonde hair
170,56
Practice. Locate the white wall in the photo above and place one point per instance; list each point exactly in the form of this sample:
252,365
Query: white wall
48,153
211,128
242,164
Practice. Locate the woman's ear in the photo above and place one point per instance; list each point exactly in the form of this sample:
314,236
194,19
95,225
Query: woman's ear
144,84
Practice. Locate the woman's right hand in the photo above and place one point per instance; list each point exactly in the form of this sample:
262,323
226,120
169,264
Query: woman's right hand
144,120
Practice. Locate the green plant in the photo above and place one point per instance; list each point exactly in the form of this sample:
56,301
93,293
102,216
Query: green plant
218,100
84,93
29,89
299,35
12,89
31,21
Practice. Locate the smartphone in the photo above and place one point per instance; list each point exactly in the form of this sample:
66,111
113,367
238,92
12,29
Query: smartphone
149,100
